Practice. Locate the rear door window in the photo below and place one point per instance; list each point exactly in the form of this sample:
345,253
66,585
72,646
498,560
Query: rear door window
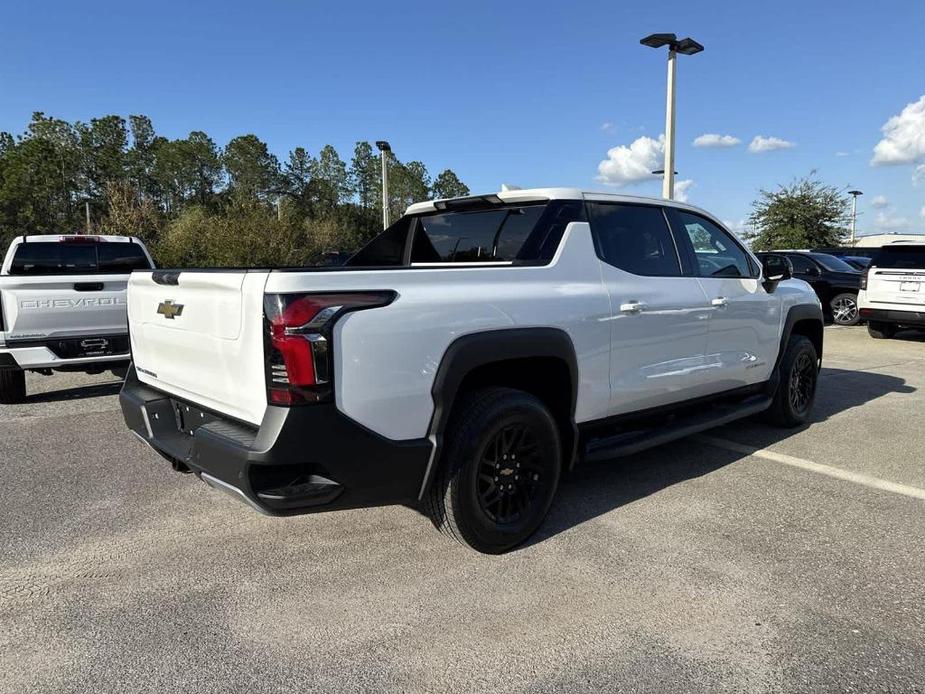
801,264
901,258
634,238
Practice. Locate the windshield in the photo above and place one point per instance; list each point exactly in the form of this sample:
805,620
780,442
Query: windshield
901,257
78,258
830,262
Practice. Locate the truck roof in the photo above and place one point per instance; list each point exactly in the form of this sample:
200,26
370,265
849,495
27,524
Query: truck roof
538,194
57,238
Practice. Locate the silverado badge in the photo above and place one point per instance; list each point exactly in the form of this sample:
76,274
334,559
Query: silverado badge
170,310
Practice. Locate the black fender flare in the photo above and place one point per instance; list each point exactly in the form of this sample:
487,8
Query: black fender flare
800,312
471,351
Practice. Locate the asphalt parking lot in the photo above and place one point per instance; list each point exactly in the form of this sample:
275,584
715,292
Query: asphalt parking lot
748,560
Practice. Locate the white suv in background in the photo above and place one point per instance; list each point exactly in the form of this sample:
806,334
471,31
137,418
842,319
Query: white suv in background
893,290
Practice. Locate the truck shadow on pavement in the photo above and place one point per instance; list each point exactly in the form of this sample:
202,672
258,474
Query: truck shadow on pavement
594,489
910,336
97,390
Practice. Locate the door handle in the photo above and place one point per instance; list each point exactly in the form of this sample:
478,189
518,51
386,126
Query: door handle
88,286
720,302
632,307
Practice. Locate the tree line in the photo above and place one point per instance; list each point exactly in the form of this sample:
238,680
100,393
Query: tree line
195,203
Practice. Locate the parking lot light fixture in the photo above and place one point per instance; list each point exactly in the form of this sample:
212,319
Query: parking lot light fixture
385,149
854,212
685,46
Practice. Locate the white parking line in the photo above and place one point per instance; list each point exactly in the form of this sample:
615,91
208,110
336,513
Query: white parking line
837,473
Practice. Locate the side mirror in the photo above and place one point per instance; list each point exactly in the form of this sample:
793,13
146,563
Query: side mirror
813,271
774,269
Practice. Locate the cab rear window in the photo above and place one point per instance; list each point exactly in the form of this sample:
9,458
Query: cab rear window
900,258
77,258
474,237
526,233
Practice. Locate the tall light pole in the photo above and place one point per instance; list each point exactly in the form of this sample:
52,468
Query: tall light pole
854,212
686,47
385,149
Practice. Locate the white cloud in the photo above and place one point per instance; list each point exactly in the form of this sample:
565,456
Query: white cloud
681,189
715,140
767,144
739,228
918,174
608,127
632,164
903,136
879,202
843,154
887,222
922,212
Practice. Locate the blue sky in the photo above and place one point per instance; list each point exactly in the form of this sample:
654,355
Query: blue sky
529,93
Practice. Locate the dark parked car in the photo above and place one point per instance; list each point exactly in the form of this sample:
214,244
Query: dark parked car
851,251
836,283
858,262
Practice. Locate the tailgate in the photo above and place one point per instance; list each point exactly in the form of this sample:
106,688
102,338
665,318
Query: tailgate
36,307
896,286
201,338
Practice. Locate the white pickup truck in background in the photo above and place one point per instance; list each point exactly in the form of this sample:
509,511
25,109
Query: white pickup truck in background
63,307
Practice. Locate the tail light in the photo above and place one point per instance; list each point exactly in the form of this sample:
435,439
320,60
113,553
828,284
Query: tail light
864,278
298,342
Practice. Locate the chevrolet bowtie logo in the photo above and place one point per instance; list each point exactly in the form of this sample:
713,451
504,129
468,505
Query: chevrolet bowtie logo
170,310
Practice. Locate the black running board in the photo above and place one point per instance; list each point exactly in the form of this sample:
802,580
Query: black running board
627,443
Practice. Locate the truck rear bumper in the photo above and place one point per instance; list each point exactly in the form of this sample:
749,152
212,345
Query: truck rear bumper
43,358
67,352
300,460
906,317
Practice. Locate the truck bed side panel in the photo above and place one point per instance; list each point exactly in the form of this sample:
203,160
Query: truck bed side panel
386,359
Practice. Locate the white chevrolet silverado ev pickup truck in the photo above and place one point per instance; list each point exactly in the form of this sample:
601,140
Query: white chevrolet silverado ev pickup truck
62,306
467,357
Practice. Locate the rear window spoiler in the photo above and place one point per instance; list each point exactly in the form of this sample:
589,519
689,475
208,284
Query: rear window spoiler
474,202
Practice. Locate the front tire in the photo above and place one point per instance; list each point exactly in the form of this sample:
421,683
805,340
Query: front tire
845,309
881,331
12,386
796,392
500,470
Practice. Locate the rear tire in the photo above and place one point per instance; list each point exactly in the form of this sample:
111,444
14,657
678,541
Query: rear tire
501,466
881,331
796,392
845,309
12,386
